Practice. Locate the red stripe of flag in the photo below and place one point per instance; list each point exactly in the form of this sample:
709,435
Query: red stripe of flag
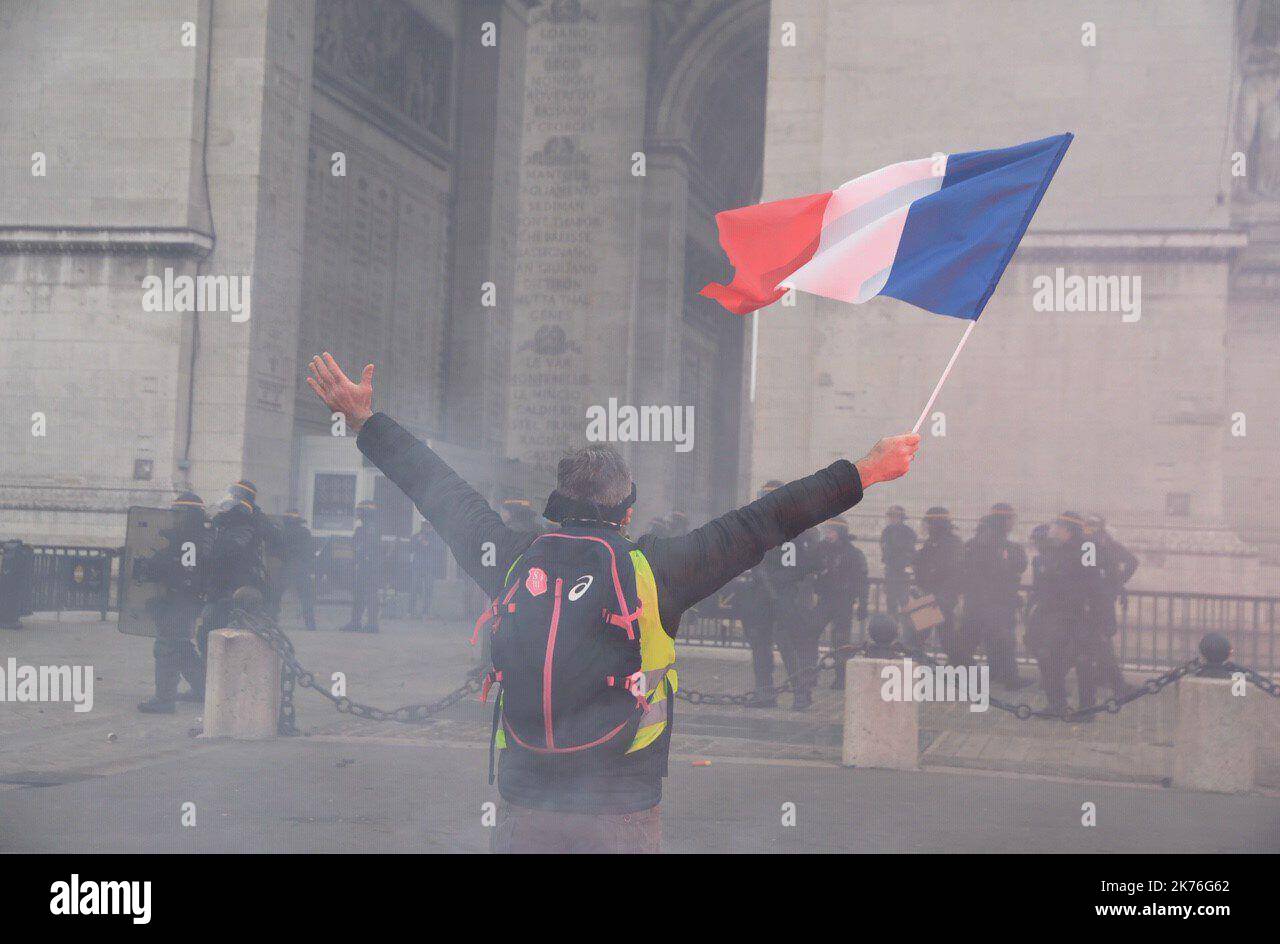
766,243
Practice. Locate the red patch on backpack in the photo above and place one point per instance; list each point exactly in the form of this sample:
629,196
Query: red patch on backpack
536,582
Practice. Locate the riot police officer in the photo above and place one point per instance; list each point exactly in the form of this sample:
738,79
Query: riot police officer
271,538
842,582
367,543
1057,627
791,571
237,558
781,610
897,551
993,572
1038,539
939,569
519,515
759,603
298,549
659,528
179,568
1116,564
773,612
422,560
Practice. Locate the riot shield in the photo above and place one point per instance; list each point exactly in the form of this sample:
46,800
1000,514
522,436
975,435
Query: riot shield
140,589
15,583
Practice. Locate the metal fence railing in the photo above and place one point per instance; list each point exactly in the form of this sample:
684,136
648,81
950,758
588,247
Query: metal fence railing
1163,628
67,578
1155,629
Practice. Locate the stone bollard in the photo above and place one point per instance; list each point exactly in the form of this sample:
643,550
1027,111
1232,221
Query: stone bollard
878,733
1215,734
242,686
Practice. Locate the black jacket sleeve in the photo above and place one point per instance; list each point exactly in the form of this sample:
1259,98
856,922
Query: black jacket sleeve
458,512
693,566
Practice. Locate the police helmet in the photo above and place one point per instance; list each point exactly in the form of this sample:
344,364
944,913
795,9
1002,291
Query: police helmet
769,486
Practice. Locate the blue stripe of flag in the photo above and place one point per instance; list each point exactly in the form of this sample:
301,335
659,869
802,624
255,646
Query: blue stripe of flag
957,242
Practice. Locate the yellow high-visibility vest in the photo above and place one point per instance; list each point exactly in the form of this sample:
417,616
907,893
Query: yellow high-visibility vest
657,657
657,660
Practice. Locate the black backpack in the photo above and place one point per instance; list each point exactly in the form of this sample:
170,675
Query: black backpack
565,645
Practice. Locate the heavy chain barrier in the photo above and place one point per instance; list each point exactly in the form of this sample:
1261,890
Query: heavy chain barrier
1020,710
293,673
745,699
1255,678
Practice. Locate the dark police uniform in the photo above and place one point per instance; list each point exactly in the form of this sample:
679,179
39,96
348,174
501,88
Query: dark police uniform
939,570
791,574
757,598
842,581
520,515
993,571
272,540
179,567
298,549
1058,631
237,558
422,569
757,615
778,609
1117,565
367,545
897,552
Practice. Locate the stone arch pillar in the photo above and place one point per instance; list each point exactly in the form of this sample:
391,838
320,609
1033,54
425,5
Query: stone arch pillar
695,54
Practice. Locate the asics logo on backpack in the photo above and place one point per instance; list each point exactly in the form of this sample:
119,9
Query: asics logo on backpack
581,587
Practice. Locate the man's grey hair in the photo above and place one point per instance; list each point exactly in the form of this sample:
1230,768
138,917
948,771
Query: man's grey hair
595,473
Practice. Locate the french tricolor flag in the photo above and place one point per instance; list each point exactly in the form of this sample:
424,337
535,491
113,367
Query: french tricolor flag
936,233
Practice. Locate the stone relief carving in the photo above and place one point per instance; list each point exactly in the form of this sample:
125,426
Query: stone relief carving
558,151
551,341
562,12
387,55
1258,112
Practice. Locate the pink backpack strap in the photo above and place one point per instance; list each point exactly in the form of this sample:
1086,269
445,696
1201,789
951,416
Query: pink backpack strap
494,611
493,675
634,684
625,620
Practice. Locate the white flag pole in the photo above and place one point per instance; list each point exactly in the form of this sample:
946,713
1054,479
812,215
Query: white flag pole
943,379
755,343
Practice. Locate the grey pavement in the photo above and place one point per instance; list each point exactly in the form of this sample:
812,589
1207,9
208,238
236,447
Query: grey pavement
115,780
374,795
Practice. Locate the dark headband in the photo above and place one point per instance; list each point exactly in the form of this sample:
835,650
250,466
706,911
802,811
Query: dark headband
560,507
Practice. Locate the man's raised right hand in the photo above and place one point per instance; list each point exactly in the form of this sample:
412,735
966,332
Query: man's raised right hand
339,393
